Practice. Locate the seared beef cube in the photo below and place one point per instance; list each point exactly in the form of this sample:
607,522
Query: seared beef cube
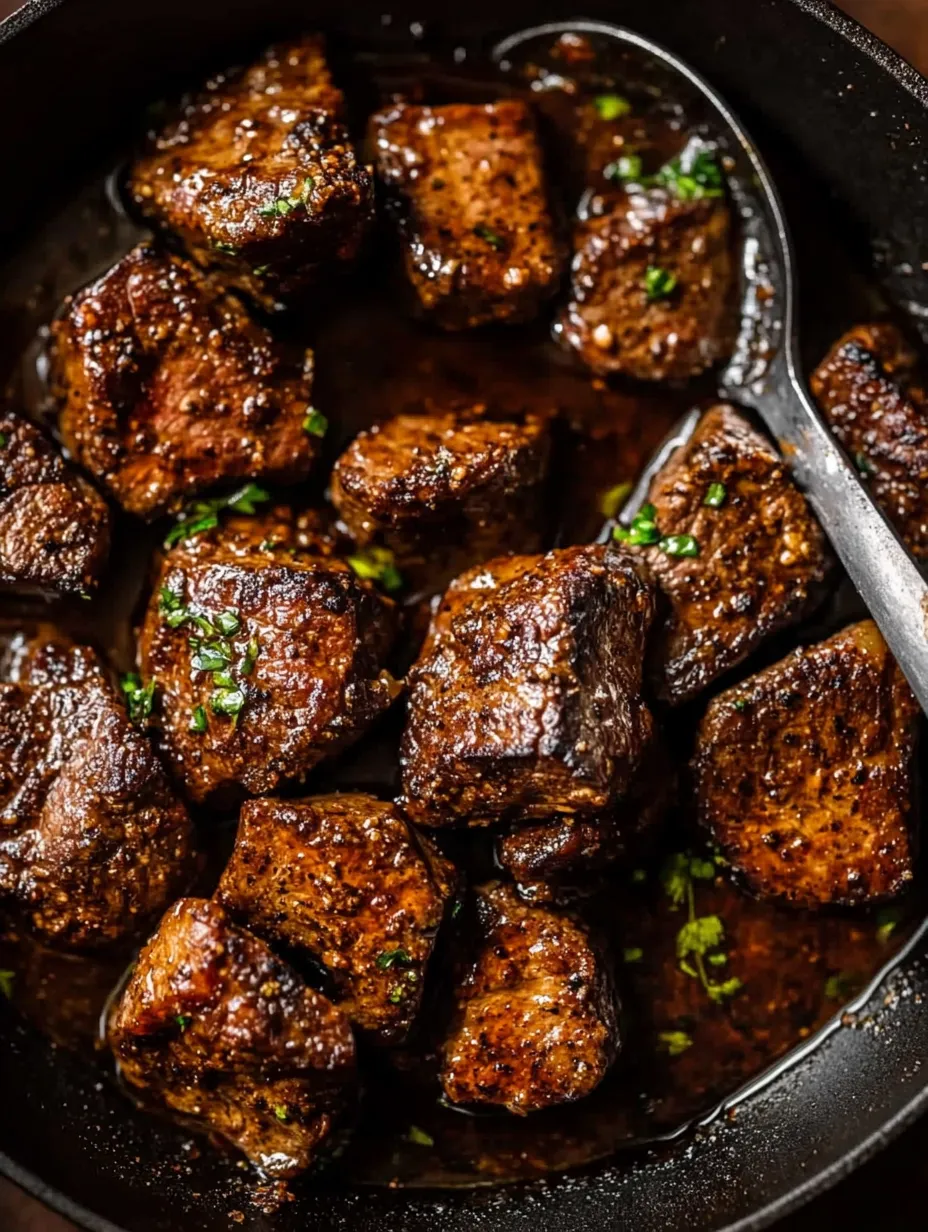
868,390
651,288
169,388
214,1027
265,662
94,845
536,1013
760,554
466,185
526,699
444,491
54,528
805,774
548,859
345,881
257,174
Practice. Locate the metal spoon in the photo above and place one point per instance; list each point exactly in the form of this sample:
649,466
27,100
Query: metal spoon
764,372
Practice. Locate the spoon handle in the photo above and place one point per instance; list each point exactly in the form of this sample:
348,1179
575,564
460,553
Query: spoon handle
877,561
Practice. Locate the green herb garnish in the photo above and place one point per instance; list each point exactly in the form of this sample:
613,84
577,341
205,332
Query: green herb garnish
260,270
679,545
393,958
614,498
700,939
203,515
628,167
183,1021
863,464
212,658
3,439
419,1136
139,698
281,1112
493,238
285,205
643,529
198,720
247,662
611,106
691,176
227,248
228,623
377,565
227,702
839,987
715,495
658,283
740,704
396,995
315,423
887,921
172,607
633,954
6,983
675,1042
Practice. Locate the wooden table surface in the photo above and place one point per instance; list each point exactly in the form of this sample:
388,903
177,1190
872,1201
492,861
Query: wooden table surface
889,1194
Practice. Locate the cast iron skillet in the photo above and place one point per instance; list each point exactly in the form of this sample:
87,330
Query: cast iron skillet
842,119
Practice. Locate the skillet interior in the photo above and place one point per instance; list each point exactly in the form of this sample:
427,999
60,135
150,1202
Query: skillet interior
852,150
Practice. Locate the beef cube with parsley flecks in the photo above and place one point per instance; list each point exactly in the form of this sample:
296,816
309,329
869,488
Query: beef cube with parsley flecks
94,844
804,774
526,701
871,393
733,545
536,1013
54,527
562,856
652,278
214,1028
258,177
465,185
168,388
444,490
266,659
346,882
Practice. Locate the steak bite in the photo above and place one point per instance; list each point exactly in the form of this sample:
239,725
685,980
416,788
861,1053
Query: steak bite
344,881
868,389
168,388
54,528
651,287
805,774
94,845
548,858
740,555
465,183
536,1013
445,490
526,699
257,174
265,660
213,1027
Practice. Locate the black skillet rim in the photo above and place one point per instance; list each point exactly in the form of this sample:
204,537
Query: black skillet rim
904,74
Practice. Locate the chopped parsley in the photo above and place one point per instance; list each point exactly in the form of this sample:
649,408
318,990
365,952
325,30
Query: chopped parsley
419,1136
493,238
675,1042
715,496
393,958
228,623
658,283
203,515
247,662
740,704
6,983
887,921
377,565
183,1021
863,464
227,702
172,607
315,423
198,720
633,954
701,938
614,498
140,698
282,206
280,1111
3,439
611,106
679,545
260,270
396,994
691,176
839,987
628,167
643,529
212,657
220,246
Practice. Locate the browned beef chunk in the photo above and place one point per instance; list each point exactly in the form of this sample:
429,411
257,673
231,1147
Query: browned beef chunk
550,858
169,388
257,175
466,185
761,554
213,1027
54,528
526,699
344,880
265,661
651,287
804,774
536,1011
444,491
869,391
93,843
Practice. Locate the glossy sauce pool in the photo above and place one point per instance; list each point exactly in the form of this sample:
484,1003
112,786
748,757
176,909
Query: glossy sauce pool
373,361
